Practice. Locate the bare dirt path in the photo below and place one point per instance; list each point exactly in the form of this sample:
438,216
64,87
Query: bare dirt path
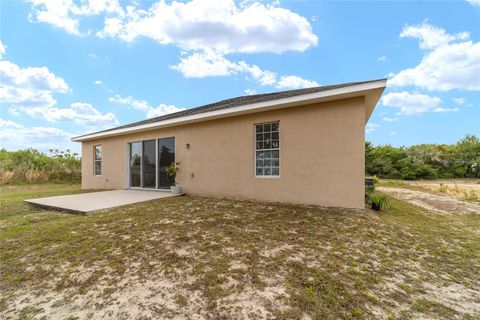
440,203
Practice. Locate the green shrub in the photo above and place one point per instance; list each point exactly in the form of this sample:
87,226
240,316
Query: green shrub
379,201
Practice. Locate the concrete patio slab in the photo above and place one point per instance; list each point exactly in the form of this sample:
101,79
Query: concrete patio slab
87,203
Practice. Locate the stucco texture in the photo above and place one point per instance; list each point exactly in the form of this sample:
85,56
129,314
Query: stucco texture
321,156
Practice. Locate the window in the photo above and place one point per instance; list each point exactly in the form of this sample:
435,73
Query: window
97,160
267,149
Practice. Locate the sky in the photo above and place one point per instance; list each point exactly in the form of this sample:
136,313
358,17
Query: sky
72,67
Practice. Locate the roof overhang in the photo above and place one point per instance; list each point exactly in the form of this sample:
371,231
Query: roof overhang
371,91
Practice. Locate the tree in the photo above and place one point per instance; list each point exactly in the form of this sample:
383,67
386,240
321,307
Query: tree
467,157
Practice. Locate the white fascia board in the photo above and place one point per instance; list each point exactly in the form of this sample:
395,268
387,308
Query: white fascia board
345,92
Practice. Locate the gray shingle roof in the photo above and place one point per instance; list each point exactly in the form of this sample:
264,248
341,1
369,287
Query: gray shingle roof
239,101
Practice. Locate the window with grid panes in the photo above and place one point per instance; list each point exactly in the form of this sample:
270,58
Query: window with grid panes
267,149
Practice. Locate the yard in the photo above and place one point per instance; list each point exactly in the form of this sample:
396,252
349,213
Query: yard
197,258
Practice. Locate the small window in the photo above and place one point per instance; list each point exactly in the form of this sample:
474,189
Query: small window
97,160
267,149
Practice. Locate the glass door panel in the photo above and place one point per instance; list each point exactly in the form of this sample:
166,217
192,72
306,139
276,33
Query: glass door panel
148,164
166,155
135,164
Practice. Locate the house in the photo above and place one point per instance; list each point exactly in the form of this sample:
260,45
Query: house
300,146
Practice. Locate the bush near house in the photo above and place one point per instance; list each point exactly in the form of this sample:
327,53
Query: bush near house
33,166
425,161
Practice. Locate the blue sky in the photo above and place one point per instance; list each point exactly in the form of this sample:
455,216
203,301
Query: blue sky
68,68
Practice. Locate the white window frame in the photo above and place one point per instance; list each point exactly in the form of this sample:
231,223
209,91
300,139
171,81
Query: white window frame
270,149
95,160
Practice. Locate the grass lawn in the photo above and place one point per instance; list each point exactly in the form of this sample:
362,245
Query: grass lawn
195,257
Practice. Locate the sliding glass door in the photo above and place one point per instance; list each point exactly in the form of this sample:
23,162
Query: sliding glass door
135,164
149,164
166,155
148,161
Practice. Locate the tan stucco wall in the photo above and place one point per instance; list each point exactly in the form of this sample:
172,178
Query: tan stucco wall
321,156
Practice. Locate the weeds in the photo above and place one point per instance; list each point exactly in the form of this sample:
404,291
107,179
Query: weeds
31,166
6,176
470,196
442,188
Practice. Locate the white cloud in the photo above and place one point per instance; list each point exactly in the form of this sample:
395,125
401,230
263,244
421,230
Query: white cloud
295,82
387,119
140,105
14,136
36,78
29,86
98,82
113,26
220,25
26,97
223,25
30,91
446,109
250,92
264,77
382,59
370,127
430,36
66,15
57,17
393,133
144,106
3,49
80,113
202,64
204,30
212,64
474,2
413,103
450,61
459,101
206,64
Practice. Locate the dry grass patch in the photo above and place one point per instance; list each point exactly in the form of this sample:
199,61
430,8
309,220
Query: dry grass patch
461,189
441,203
199,258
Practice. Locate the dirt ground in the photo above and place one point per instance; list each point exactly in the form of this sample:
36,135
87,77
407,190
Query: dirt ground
437,202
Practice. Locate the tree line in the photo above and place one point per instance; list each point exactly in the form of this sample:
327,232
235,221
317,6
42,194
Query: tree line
425,161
